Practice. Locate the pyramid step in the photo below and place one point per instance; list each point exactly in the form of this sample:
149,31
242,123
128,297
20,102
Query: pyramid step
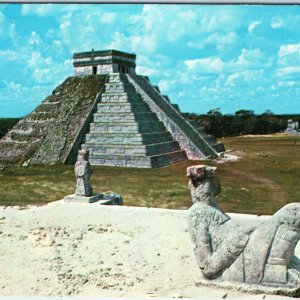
121,98
114,97
40,121
219,147
201,130
125,117
210,139
114,77
148,150
114,87
46,107
192,122
25,136
158,161
135,162
27,126
120,107
127,138
100,127
117,84
139,161
40,115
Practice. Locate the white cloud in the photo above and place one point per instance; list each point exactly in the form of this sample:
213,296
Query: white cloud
108,18
253,25
34,60
45,10
205,65
34,39
43,75
288,71
219,19
276,22
218,39
253,58
164,85
65,22
287,83
24,98
147,71
37,9
15,87
9,55
289,55
289,49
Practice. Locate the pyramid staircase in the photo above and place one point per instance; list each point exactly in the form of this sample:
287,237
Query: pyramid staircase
196,143
126,133
210,139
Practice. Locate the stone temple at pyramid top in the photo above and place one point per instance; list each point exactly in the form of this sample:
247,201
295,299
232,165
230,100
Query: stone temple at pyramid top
103,62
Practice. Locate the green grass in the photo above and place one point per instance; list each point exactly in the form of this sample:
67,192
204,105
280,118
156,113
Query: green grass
265,179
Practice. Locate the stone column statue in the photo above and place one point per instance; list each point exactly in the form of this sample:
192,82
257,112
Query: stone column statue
83,172
262,256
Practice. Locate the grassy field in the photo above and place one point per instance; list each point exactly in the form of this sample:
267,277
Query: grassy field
265,178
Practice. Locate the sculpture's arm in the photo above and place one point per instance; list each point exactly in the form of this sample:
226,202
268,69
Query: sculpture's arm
225,255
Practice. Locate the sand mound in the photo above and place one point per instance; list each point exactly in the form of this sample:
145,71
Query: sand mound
83,250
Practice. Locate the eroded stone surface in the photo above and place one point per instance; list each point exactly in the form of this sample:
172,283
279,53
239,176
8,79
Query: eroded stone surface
292,127
249,257
83,172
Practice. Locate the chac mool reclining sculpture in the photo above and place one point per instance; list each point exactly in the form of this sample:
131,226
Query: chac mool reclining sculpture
253,258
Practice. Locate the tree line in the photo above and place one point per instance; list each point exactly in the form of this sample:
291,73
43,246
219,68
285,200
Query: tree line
6,124
218,124
241,122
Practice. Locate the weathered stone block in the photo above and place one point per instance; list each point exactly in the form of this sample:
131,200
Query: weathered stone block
84,199
275,274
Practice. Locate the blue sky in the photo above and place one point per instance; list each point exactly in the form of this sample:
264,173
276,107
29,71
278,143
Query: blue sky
202,57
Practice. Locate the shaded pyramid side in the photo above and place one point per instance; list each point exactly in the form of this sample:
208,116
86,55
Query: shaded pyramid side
196,143
53,131
125,132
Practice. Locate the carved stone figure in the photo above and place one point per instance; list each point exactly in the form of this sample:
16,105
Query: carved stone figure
227,252
292,126
83,172
84,191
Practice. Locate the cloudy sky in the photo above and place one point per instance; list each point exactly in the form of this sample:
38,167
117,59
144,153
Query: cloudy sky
202,57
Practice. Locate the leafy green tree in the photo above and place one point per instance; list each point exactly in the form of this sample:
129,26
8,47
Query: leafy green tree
6,124
267,112
244,113
216,112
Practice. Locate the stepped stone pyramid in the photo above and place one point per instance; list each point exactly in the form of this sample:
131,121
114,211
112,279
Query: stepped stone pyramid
119,116
125,132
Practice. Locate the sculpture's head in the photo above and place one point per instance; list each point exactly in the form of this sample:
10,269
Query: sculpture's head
204,184
196,172
83,154
199,173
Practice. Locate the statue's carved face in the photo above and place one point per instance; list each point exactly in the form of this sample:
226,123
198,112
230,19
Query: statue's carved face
196,172
83,155
204,185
